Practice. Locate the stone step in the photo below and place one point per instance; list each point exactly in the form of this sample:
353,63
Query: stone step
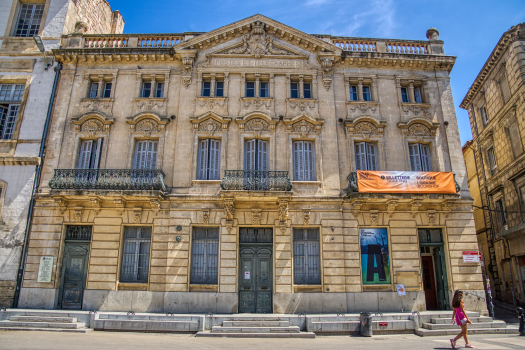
43,319
146,325
71,330
255,318
290,329
481,319
257,335
10,324
335,326
448,314
495,324
428,332
255,323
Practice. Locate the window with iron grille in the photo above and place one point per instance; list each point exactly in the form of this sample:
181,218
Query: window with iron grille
204,255
135,255
10,97
255,235
306,260
78,233
29,18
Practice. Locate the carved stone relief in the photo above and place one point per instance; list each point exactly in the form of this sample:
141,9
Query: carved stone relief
211,103
256,216
205,217
302,105
257,103
303,128
150,104
210,126
147,126
365,129
95,104
256,124
419,130
362,107
92,126
417,110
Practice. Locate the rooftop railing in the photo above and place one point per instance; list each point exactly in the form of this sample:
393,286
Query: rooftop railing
132,40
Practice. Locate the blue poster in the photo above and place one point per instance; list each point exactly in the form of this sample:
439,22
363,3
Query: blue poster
375,262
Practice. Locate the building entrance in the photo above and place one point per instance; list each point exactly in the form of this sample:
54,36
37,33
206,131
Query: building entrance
255,272
433,269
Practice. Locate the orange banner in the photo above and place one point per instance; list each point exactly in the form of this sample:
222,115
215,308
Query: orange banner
405,182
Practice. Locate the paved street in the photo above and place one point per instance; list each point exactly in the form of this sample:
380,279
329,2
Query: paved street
113,340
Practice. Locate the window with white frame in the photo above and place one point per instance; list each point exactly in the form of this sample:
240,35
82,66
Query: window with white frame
209,160
135,254
419,157
10,98
256,155
306,257
145,156
491,158
365,156
204,255
303,161
93,90
89,155
29,19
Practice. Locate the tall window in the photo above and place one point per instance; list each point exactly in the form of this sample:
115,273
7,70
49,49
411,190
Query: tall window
263,87
159,91
501,218
306,261
307,90
219,88
135,255
256,155
294,90
417,94
107,90
404,94
515,140
420,157
353,93
146,89
366,156
93,90
204,255
483,113
492,161
29,19
145,155
367,94
303,161
10,97
209,162
250,89
89,157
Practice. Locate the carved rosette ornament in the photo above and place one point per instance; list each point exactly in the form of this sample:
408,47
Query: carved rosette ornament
303,128
147,126
257,43
92,126
210,126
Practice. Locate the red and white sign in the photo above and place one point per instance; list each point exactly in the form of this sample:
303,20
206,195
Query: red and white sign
383,324
471,256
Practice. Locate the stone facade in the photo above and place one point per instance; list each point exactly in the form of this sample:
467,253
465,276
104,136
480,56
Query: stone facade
24,66
277,86
496,106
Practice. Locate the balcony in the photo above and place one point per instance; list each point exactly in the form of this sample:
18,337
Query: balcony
256,180
108,179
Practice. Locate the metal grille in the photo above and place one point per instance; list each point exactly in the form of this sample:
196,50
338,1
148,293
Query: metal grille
430,235
205,255
256,180
78,233
255,235
135,257
306,256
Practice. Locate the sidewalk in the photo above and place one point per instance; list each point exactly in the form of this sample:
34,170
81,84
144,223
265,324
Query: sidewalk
505,312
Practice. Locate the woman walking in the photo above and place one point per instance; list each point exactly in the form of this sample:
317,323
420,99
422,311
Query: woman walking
461,319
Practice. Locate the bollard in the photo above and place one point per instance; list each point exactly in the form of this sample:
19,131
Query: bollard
366,324
521,317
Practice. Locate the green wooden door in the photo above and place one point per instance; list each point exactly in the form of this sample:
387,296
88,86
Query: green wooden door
255,280
73,274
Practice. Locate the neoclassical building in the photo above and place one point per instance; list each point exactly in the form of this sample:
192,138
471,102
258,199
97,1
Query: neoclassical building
216,172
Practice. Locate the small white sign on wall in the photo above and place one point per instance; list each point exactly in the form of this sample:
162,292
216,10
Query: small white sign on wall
401,289
246,275
45,269
471,256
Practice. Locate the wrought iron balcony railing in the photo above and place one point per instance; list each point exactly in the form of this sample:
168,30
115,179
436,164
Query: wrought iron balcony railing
256,180
108,179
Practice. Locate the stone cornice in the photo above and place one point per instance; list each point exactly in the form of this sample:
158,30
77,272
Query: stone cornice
513,34
20,160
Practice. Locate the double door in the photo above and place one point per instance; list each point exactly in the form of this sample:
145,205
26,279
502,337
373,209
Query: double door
255,280
73,275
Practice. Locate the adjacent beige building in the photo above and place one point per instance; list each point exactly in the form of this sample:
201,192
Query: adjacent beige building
27,76
215,172
495,103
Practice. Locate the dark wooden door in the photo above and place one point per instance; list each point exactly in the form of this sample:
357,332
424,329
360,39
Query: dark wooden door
74,269
429,284
255,280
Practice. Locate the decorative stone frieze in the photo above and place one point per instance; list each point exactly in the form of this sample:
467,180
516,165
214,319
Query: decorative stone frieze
416,110
150,103
97,104
418,129
361,107
211,103
256,122
252,104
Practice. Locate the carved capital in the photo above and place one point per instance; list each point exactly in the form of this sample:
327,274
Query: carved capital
120,204
62,204
414,207
391,207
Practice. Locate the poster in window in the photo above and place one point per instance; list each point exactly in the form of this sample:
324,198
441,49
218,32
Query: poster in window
375,262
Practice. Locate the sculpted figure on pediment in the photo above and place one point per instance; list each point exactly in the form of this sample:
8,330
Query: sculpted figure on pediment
258,43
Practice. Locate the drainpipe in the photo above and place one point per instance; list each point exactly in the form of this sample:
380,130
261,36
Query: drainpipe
36,183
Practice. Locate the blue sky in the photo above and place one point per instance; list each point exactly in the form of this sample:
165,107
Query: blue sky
469,28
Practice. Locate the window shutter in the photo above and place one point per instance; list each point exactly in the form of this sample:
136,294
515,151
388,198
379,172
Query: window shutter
139,155
426,165
310,161
146,155
298,163
249,154
415,162
215,159
153,155
371,156
95,155
84,157
263,155
203,160
3,117
360,156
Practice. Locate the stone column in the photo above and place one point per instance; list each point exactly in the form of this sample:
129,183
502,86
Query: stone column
411,97
271,93
360,89
257,82
301,86
212,85
100,86
153,88
226,84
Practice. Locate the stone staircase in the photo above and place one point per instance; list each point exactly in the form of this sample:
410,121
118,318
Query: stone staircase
255,327
44,323
144,322
440,324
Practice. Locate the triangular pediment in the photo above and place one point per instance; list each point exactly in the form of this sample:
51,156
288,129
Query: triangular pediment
259,36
